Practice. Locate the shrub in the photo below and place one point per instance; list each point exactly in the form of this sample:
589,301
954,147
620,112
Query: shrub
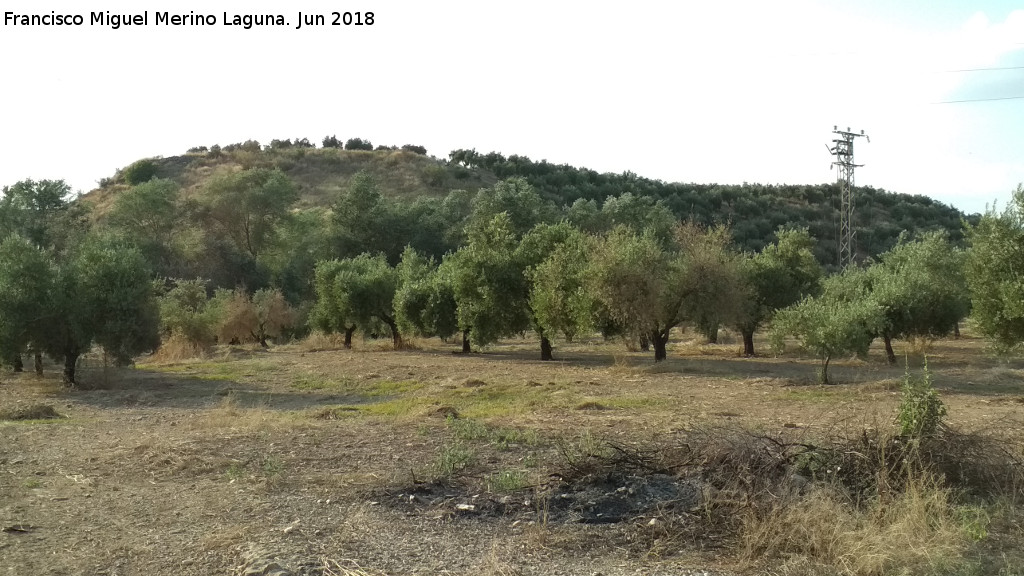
139,172
251,146
187,317
331,142
264,315
198,150
358,144
276,144
921,409
415,149
435,175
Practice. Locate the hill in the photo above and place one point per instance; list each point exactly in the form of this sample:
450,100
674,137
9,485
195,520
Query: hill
753,211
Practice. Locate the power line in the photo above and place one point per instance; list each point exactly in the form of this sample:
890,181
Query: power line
987,69
980,100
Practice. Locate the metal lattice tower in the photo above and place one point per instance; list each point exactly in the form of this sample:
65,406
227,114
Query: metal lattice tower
843,151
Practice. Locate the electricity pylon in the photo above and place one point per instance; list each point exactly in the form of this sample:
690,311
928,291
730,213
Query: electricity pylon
843,151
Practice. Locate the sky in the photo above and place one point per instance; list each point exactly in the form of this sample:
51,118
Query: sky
706,92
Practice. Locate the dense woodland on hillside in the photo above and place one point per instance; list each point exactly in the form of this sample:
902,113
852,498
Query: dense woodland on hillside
753,211
250,242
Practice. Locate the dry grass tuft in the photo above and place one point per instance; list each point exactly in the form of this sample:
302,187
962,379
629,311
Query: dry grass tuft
178,348
591,405
913,531
334,412
32,412
319,341
345,568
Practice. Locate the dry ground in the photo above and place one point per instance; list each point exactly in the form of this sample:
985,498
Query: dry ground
334,461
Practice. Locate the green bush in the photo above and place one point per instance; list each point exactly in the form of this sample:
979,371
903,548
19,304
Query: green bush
358,144
921,409
435,175
139,172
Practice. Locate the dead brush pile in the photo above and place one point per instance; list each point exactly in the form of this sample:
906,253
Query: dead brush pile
865,504
870,503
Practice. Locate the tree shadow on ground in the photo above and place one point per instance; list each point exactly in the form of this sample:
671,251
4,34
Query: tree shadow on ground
131,387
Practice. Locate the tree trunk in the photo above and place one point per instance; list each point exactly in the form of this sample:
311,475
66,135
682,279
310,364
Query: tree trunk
16,361
660,339
748,343
823,377
348,337
396,338
889,354
712,334
70,362
645,343
465,342
38,358
545,349
956,331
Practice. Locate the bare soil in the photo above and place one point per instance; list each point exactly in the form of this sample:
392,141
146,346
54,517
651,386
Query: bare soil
421,461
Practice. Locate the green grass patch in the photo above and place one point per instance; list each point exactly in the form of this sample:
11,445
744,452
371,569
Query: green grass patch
453,458
394,407
507,481
474,430
497,400
817,394
393,388
314,382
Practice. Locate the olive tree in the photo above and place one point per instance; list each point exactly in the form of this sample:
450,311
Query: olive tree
425,301
488,282
26,283
995,274
327,314
42,212
921,289
101,295
360,291
560,300
777,277
712,289
648,289
636,281
843,319
536,246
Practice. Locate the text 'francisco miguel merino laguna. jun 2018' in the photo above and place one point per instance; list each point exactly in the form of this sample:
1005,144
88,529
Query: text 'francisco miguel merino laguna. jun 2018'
244,21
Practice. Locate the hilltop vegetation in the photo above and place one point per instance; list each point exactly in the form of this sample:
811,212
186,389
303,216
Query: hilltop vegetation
753,211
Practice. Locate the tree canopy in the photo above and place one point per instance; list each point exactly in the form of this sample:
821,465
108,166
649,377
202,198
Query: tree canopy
995,273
